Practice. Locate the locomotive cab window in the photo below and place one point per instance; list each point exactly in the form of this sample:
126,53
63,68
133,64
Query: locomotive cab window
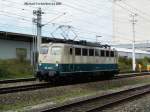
78,51
97,53
84,52
107,53
102,53
56,50
112,53
91,52
44,50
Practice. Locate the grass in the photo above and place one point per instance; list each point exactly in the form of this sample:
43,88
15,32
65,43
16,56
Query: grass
16,101
13,68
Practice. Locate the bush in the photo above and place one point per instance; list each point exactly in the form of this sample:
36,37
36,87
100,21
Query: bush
125,64
14,68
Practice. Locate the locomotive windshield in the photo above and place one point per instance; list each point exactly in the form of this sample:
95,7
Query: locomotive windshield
44,50
56,50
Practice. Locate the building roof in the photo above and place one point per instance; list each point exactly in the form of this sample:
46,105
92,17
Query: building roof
19,36
29,38
15,36
130,50
137,45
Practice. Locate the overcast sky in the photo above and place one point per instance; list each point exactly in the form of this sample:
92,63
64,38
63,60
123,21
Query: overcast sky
88,18
122,20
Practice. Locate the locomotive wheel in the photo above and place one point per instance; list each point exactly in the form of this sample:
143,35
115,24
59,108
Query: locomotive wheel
53,80
40,78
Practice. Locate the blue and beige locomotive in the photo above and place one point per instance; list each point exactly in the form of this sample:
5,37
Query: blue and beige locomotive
75,59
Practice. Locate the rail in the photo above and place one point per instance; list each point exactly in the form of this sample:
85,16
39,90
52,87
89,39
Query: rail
5,90
17,80
98,103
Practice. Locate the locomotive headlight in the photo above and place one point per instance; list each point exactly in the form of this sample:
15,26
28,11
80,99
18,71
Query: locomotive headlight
57,63
40,64
45,67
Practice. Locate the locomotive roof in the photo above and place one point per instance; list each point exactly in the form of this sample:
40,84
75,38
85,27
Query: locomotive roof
81,42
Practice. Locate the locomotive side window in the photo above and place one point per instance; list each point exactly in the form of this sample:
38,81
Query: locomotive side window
71,51
107,53
44,50
112,54
78,51
91,52
102,53
97,53
84,52
56,50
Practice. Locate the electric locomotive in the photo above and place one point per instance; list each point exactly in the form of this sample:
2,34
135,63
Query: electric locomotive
68,58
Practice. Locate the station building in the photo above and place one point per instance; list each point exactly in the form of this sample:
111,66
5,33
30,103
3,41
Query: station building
141,50
12,44
139,54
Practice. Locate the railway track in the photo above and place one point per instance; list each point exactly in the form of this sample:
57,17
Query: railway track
98,103
17,80
12,89
6,90
33,79
126,75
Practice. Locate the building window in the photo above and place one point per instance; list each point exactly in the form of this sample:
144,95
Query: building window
107,53
21,53
84,52
112,54
78,51
91,52
97,53
102,53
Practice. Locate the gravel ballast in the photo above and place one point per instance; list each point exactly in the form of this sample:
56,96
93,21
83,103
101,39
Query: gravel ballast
141,104
19,84
27,99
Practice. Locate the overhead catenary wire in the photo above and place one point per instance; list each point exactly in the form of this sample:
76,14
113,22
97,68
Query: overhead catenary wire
10,13
131,9
14,17
54,19
136,9
10,1
80,5
24,10
95,33
25,27
20,4
132,12
87,13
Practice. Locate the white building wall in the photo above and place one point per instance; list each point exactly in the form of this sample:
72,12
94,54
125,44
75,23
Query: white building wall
8,48
129,54
124,52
